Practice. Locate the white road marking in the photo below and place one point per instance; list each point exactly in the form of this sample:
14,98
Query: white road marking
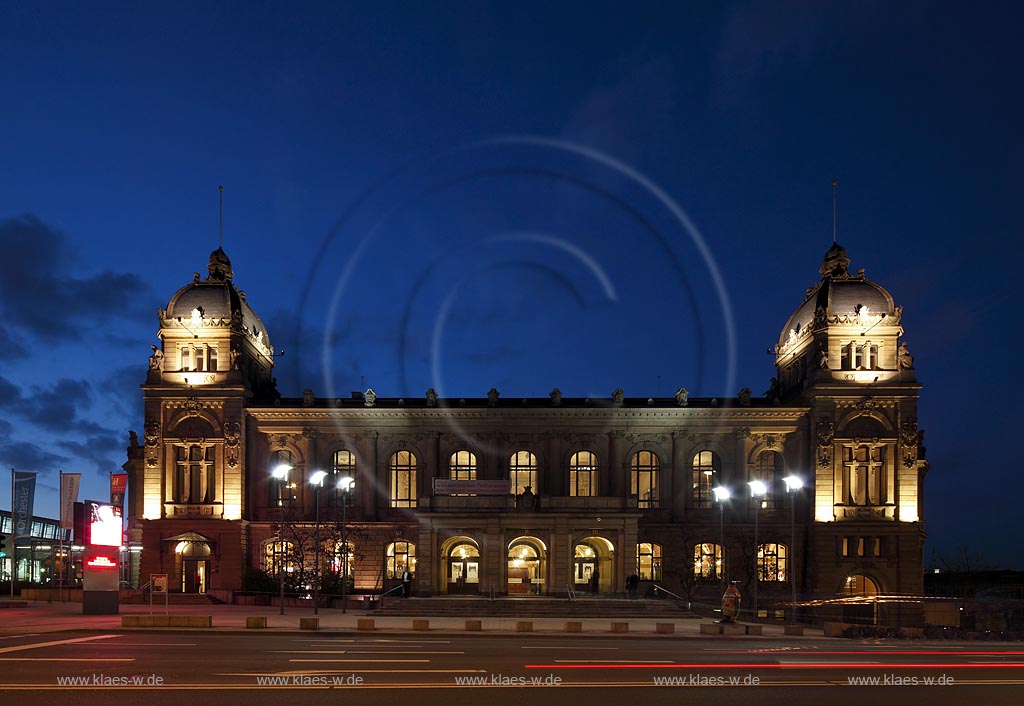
38,645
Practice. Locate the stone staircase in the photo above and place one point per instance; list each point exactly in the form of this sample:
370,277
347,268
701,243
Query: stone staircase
534,607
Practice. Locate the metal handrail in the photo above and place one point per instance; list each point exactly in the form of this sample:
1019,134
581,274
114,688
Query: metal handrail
677,597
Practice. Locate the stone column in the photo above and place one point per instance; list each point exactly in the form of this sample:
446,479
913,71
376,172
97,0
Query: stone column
615,485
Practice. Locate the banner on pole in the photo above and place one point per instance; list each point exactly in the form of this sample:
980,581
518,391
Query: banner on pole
69,483
118,486
22,504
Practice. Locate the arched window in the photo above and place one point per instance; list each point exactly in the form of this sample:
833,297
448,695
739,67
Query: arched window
462,466
343,465
644,479
276,554
342,558
706,468
522,472
708,562
768,470
771,562
398,557
648,561
403,479
583,475
282,489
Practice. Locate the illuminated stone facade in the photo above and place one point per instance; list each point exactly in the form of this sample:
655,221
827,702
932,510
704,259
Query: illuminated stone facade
616,485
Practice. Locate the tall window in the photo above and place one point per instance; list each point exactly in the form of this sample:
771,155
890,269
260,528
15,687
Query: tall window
583,475
522,472
278,554
648,561
282,491
705,473
462,466
644,479
768,470
342,558
400,556
343,465
863,474
195,474
771,562
707,562
403,479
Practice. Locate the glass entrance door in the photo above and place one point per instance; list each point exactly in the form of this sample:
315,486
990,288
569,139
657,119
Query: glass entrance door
194,575
464,569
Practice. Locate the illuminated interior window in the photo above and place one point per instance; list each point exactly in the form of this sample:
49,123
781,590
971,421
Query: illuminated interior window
200,357
648,561
399,556
522,472
402,469
705,473
341,557
343,465
276,554
583,475
708,562
644,479
771,562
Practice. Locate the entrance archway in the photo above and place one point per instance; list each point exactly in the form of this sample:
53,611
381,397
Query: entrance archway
195,566
863,611
462,566
527,566
593,568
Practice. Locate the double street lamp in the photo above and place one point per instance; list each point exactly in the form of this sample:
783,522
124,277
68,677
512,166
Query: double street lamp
793,484
758,490
280,474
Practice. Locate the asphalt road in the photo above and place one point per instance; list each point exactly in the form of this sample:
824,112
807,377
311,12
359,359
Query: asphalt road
202,668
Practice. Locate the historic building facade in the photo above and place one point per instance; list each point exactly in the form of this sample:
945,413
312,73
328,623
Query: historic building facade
534,496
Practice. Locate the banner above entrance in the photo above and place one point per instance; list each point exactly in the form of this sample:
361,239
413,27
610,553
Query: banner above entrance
444,486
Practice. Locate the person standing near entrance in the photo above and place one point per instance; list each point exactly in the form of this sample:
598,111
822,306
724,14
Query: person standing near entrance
406,583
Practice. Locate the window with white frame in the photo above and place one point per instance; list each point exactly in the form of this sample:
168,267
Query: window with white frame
643,481
583,475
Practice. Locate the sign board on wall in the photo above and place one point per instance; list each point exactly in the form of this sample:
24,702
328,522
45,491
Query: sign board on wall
444,486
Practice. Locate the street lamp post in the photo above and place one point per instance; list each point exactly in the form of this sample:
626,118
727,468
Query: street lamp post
280,474
757,491
793,484
721,496
345,486
316,479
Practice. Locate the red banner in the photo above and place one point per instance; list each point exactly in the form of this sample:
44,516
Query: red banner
118,486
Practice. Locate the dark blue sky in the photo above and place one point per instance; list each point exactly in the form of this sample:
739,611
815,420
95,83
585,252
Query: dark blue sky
471,195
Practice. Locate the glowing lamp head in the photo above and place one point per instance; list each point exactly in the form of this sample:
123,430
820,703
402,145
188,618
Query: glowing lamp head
281,472
793,483
317,478
758,488
721,493
345,484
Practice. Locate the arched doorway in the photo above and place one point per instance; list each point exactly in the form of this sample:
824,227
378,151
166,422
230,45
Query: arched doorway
864,608
462,566
593,568
527,566
195,566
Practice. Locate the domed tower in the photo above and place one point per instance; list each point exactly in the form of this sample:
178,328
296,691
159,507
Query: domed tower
214,356
841,354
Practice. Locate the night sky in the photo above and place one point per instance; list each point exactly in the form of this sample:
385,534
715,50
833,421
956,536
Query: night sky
472,195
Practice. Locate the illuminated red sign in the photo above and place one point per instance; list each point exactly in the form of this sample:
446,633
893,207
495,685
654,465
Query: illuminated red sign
102,562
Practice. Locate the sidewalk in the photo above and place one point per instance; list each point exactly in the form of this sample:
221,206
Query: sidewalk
41,617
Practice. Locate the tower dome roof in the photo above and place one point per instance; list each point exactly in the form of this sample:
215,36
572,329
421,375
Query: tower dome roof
839,296
216,299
